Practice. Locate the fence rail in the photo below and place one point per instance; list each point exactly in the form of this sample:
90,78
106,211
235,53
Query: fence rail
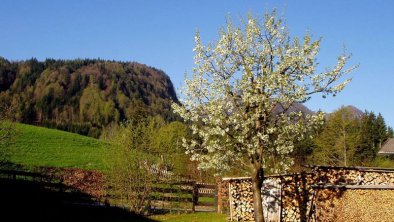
39,179
188,192
14,174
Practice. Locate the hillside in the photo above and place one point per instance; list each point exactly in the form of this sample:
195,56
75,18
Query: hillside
84,96
38,146
354,112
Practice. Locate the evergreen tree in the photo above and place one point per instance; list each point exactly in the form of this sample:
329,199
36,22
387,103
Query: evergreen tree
381,131
366,148
390,132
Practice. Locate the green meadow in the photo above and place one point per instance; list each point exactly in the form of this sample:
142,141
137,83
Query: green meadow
196,217
38,146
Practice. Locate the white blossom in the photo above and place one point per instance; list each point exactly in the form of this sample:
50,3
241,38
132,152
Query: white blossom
237,100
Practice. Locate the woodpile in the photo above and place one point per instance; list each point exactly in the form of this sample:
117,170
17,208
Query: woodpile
345,176
297,193
223,197
355,205
241,200
296,196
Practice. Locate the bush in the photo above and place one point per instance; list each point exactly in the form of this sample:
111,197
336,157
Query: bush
130,180
7,134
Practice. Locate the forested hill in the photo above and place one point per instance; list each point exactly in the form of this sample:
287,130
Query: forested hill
83,95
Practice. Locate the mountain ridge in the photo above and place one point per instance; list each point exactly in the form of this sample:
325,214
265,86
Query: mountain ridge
355,112
84,95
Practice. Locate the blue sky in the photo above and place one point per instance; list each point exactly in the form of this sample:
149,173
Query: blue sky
160,34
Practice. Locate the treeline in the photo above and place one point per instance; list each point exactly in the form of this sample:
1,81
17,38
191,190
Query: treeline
346,139
84,95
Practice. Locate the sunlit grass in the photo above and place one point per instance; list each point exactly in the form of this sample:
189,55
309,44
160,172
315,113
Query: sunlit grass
195,217
39,146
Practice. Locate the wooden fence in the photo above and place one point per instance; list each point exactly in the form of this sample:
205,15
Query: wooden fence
39,179
195,196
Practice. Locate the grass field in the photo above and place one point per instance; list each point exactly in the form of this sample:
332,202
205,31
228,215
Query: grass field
38,146
196,217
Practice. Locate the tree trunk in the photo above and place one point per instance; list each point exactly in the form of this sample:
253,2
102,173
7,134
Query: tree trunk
257,182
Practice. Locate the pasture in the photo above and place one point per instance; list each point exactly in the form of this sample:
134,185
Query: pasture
39,146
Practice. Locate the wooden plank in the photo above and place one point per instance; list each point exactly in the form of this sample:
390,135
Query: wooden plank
185,183
372,187
207,195
40,183
364,187
195,197
236,178
22,173
172,190
205,204
208,186
230,201
371,169
173,199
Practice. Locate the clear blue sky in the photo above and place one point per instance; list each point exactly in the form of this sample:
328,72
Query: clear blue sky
160,34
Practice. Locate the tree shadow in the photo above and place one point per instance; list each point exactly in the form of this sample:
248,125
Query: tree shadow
27,200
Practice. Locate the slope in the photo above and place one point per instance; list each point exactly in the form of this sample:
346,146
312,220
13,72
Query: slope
38,146
84,95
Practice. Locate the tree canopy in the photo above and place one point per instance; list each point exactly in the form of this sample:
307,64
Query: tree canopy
239,98
338,139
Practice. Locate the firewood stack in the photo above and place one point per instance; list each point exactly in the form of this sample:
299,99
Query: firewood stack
223,197
355,205
296,196
296,190
242,200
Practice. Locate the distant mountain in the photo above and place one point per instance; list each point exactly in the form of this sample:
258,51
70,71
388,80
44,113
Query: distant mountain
300,107
84,95
354,111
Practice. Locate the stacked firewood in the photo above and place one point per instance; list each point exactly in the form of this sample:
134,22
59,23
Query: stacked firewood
354,177
242,200
372,178
296,195
223,197
299,192
355,205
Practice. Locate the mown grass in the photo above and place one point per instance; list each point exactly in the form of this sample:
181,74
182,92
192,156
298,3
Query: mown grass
38,146
195,217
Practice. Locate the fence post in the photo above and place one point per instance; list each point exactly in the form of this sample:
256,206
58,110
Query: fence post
217,208
195,196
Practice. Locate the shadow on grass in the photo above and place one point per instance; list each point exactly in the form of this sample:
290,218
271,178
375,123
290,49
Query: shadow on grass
23,200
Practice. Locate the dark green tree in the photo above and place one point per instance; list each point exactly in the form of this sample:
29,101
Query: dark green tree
381,131
390,132
367,146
